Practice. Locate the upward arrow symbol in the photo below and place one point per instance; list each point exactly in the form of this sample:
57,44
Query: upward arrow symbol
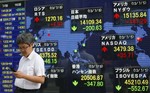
37,19
104,49
116,16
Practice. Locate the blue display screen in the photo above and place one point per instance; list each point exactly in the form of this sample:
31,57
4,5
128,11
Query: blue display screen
88,46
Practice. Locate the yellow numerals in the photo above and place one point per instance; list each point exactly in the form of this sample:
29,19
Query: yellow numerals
53,18
91,21
123,48
91,77
136,82
135,15
48,55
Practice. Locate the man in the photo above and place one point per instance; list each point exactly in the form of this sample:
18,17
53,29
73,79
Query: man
31,72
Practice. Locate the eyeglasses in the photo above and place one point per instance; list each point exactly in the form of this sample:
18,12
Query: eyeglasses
23,48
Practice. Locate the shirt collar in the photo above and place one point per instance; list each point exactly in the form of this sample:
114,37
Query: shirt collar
31,55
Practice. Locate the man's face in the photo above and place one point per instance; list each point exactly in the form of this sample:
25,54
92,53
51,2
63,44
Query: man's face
25,49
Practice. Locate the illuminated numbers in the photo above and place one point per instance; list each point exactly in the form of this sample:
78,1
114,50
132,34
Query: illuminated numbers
81,19
139,88
125,55
53,55
91,77
143,14
48,55
54,61
99,77
87,22
50,18
135,15
136,82
50,61
98,21
41,54
95,83
123,48
93,28
91,83
91,22
47,61
100,83
49,58
60,18
53,18
45,55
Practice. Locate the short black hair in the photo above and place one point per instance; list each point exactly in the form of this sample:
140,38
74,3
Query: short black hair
25,38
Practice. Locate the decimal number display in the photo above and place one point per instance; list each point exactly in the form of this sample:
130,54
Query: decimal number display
91,24
123,48
53,18
91,77
136,82
91,21
48,55
130,12
94,83
50,16
49,58
93,28
125,55
139,88
135,15
87,19
48,51
92,80
50,61
124,52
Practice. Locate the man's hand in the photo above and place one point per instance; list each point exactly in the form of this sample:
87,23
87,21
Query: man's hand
19,74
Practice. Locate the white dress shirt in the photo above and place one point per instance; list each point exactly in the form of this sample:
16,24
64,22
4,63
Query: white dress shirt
32,65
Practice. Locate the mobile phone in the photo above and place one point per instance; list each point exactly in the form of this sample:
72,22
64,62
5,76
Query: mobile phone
12,69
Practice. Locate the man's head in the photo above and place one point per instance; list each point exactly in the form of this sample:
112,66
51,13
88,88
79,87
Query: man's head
25,42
